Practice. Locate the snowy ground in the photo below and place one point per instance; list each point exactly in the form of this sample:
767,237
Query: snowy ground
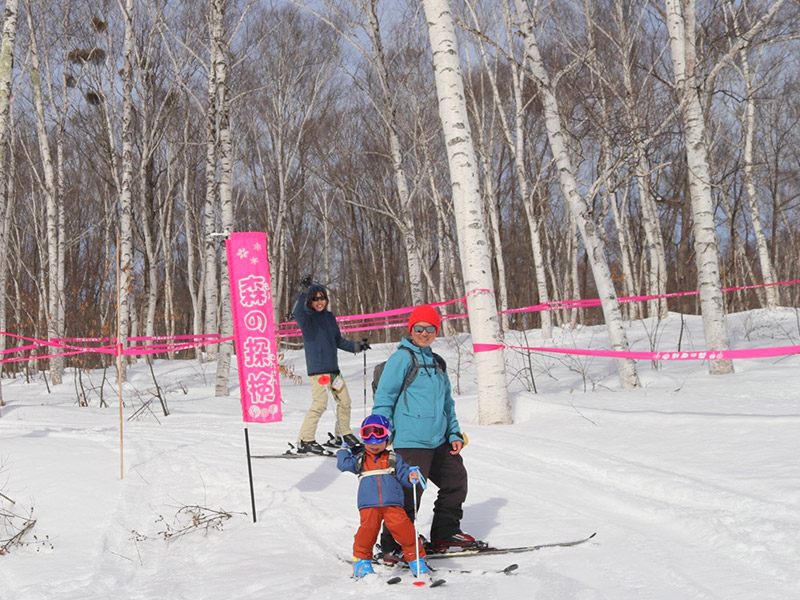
691,482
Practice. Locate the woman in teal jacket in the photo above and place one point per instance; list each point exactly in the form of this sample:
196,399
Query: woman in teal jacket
426,431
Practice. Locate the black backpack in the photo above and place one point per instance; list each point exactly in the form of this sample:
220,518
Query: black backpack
439,365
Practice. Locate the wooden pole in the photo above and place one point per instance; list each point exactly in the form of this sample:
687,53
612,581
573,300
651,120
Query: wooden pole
119,364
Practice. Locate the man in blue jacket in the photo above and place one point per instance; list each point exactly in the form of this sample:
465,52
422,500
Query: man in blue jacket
321,342
426,431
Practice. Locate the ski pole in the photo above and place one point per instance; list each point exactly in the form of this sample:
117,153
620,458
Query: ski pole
364,340
421,482
416,532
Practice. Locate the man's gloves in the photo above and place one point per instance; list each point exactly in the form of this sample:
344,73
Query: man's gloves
305,283
361,346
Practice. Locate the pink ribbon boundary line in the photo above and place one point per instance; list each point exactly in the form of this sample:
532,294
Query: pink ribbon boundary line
394,318
71,350
682,355
381,320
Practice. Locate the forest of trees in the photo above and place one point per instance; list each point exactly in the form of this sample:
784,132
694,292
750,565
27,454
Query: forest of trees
622,148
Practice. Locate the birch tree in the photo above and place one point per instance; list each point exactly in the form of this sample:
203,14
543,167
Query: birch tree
624,40
748,155
54,229
125,239
220,43
6,72
680,15
494,406
517,144
578,205
386,106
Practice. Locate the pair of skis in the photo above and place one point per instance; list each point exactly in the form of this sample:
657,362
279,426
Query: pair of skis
434,581
479,551
489,550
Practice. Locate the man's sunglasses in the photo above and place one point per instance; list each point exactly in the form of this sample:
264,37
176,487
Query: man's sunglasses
425,328
318,298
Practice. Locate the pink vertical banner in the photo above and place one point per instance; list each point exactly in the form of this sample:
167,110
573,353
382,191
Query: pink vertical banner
254,327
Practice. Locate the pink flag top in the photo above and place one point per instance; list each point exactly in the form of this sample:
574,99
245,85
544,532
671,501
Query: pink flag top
254,327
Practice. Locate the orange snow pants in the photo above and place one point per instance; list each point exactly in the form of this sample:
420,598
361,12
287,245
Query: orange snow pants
397,522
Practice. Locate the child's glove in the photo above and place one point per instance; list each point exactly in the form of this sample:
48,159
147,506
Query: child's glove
414,476
352,450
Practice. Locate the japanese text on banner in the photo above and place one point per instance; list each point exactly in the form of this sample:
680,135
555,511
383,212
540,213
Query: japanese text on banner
254,327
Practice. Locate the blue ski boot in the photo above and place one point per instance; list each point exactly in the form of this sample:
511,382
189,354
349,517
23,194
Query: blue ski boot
418,566
362,567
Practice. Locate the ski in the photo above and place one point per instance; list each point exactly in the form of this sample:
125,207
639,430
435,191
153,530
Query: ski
293,453
419,582
505,571
488,551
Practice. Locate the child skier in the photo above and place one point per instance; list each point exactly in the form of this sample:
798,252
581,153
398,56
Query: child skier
381,474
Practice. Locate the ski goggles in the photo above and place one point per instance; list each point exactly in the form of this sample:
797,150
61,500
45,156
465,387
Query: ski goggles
425,328
377,432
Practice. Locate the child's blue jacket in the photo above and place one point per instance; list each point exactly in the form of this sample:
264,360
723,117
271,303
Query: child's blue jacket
377,490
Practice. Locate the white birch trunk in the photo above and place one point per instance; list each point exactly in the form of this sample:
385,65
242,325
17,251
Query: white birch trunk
210,220
52,201
656,254
126,192
681,32
516,145
494,406
6,71
149,219
193,247
494,221
578,206
530,203
614,196
749,126
220,42
406,217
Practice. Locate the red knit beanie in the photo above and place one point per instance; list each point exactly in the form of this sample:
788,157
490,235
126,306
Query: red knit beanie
424,313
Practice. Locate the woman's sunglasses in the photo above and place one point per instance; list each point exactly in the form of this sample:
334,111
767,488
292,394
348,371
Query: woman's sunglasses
425,328
318,298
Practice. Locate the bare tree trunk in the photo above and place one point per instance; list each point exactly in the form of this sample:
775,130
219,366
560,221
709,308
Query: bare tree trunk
194,247
6,72
220,41
406,216
484,150
680,22
6,198
211,214
516,143
52,201
494,406
126,191
656,255
749,127
579,208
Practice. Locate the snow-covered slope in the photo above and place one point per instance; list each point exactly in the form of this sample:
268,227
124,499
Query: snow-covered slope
692,482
